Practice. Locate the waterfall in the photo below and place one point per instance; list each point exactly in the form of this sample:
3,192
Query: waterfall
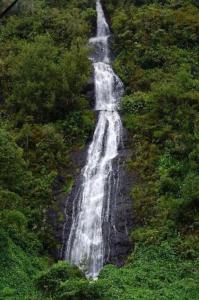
91,209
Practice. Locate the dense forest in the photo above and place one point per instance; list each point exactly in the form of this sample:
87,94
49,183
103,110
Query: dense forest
46,116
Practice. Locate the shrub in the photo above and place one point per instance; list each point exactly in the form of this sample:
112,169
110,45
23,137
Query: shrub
50,281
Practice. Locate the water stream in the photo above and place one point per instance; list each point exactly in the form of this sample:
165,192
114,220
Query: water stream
86,245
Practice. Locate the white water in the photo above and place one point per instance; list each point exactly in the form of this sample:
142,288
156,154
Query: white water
85,247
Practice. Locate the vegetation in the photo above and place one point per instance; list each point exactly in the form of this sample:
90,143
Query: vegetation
44,70
45,116
156,47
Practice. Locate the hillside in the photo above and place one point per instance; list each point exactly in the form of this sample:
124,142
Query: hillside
46,116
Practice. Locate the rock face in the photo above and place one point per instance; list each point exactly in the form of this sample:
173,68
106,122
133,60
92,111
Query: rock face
90,92
80,161
60,219
98,210
116,230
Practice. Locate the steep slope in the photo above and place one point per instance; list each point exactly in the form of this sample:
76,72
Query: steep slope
156,48
46,116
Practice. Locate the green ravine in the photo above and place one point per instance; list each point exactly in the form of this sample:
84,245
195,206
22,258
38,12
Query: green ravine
46,116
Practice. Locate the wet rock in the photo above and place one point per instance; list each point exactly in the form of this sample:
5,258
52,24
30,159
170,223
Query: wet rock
117,228
117,241
90,92
60,215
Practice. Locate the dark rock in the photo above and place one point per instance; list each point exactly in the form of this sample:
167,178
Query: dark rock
60,216
116,229
90,92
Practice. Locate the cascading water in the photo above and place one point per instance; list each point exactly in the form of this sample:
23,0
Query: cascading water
86,242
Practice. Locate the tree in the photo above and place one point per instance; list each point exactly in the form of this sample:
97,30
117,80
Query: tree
12,164
45,82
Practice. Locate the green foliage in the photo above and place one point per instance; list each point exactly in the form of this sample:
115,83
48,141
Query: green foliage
17,271
15,220
49,281
154,272
44,115
156,41
78,127
12,164
62,281
80,289
46,93
156,47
